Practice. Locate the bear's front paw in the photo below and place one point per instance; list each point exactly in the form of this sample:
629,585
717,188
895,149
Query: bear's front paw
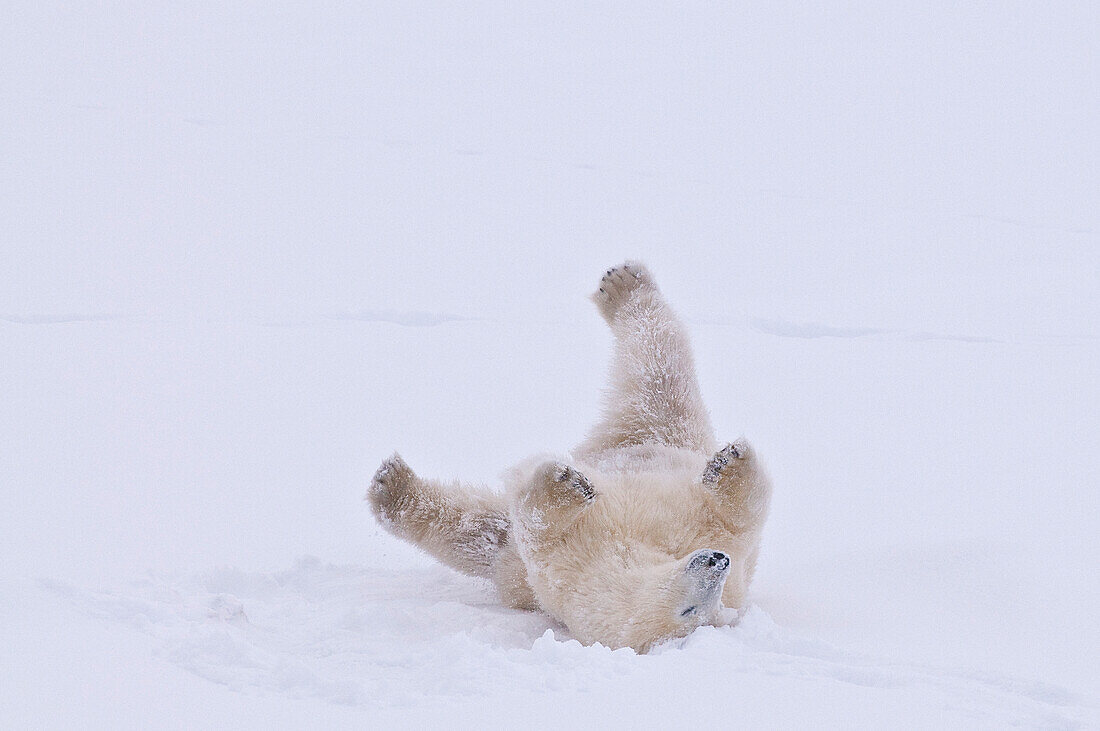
728,454
617,284
389,489
574,481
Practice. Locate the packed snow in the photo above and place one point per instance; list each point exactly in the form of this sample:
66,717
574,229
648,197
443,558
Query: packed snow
251,250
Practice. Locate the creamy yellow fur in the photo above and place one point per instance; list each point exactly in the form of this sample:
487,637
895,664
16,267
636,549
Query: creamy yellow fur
646,534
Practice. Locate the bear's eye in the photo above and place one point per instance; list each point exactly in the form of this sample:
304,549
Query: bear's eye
687,611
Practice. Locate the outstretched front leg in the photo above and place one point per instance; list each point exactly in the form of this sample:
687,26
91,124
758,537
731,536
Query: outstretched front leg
653,395
464,527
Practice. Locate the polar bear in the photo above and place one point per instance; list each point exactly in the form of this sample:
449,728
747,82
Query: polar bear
644,535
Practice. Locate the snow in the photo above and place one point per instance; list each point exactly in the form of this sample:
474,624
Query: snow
252,250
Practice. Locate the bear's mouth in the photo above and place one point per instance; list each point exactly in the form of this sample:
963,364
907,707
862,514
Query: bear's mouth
689,610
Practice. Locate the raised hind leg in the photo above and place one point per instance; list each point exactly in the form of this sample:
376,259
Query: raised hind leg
653,395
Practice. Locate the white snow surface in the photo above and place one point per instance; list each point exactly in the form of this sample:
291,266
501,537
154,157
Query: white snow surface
249,250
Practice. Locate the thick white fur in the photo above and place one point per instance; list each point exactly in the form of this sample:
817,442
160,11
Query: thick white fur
653,397
644,535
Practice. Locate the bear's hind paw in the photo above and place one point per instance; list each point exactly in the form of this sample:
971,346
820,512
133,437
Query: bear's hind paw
389,488
617,284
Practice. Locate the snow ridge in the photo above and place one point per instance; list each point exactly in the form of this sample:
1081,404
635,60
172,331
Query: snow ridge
377,639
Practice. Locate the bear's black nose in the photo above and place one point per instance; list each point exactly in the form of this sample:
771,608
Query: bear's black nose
709,560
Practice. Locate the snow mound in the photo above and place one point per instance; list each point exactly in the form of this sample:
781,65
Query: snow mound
427,637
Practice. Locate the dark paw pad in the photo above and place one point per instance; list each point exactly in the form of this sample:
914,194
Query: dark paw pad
617,285
727,454
575,481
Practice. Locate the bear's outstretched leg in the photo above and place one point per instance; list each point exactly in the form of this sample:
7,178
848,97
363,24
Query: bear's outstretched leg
653,395
464,527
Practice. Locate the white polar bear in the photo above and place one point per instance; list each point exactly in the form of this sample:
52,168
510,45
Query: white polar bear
645,536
